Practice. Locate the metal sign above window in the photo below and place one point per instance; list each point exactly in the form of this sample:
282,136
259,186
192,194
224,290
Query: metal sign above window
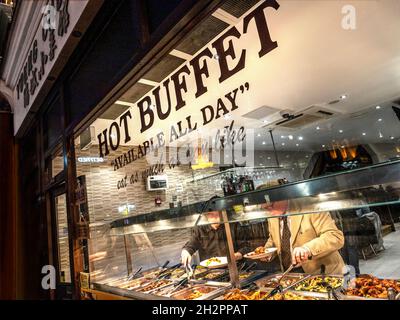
49,49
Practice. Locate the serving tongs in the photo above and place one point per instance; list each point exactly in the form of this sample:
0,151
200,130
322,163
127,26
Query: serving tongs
279,287
133,275
189,275
331,291
167,272
250,267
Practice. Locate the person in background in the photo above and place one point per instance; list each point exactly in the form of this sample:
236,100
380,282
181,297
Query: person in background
349,222
306,240
210,240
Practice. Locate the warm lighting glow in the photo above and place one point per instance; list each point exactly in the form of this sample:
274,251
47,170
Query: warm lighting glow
202,161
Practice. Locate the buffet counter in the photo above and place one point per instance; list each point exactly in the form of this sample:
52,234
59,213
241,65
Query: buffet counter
255,285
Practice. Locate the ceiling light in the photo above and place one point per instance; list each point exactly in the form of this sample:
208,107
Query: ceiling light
318,128
380,120
380,135
264,143
323,146
283,143
290,137
340,131
364,134
300,138
297,144
342,147
343,97
392,138
269,158
259,135
378,107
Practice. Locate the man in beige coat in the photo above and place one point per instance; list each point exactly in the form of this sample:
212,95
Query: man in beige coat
314,239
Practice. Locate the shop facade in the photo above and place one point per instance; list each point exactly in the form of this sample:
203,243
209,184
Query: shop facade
148,118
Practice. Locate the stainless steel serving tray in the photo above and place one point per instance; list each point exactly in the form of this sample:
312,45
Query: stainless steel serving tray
301,277
218,289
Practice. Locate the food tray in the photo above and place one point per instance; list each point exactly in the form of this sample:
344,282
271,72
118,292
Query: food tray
254,275
296,277
206,276
148,288
210,292
222,295
382,283
311,295
265,291
311,278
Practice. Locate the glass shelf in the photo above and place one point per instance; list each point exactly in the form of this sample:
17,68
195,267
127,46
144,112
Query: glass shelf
366,187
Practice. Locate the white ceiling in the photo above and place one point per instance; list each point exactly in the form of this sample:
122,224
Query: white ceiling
316,62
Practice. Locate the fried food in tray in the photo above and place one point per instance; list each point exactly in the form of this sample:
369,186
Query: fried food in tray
371,287
154,285
319,284
194,293
237,294
272,282
291,296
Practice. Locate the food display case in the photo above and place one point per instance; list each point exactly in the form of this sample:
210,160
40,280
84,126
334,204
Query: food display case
139,269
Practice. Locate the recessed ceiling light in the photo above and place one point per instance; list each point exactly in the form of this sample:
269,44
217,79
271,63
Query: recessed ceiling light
259,135
300,138
392,138
261,164
297,144
364,134
343,97
340,131
318,128
323,146
378,107
283,143
264,143
283,137
380,120
290,137
269,158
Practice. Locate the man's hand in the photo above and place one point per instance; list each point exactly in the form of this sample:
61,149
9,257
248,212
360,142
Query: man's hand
238,256
186,258
300,255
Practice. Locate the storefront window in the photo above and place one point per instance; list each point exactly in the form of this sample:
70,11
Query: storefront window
247,117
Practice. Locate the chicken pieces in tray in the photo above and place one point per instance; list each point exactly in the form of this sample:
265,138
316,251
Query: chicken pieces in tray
371,287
